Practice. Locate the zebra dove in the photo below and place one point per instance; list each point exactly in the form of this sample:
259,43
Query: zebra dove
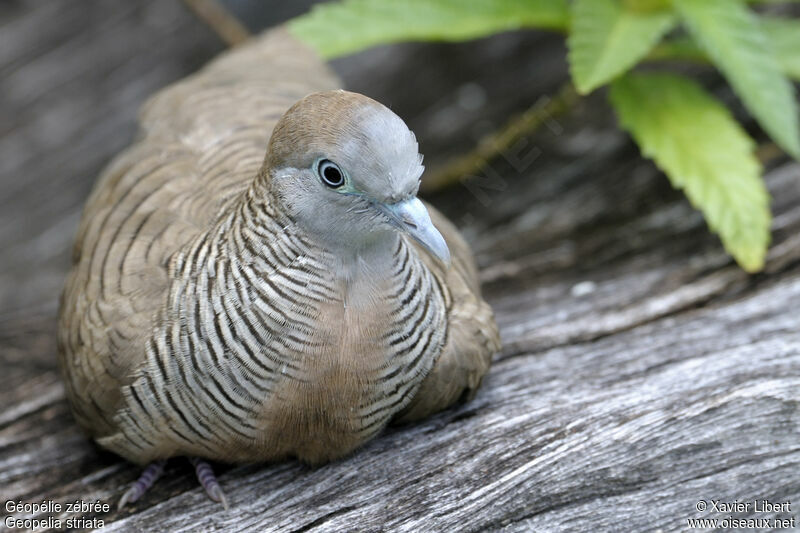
227,306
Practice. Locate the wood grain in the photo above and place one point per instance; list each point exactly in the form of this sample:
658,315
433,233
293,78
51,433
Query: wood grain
642,370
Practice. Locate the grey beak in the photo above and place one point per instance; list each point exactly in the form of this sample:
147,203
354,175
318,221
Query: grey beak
412,217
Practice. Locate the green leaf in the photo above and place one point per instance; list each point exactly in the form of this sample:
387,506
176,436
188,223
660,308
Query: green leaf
704,151
606,39
734,40
339,28
783,33
785,37
647,5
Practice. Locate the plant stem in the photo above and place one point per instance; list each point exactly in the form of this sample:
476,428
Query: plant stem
220,20
678,49
499,141
767,151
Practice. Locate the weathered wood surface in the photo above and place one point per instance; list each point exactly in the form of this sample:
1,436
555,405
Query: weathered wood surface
642,371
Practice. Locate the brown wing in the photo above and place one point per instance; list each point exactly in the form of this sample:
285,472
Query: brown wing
472,338
201,142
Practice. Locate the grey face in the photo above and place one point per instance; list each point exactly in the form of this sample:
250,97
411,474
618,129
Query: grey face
348,169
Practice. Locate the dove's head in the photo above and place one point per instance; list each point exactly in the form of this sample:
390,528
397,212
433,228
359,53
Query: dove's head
347,170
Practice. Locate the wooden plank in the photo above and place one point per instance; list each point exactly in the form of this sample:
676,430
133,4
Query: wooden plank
73,77
642,370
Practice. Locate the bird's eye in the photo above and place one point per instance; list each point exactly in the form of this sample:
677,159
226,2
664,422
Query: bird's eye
330,173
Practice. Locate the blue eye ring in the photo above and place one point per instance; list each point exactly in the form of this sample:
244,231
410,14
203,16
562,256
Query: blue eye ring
330,173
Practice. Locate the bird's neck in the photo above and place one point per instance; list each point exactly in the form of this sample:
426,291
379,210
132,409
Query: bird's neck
260,250
259,221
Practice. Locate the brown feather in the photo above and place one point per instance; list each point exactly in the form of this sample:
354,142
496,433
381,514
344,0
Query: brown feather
193,167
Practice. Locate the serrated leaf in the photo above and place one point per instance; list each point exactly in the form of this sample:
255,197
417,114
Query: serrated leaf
704,151
339,28
606,39
734,40
785,37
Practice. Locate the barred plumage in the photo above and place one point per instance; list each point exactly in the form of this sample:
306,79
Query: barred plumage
231,307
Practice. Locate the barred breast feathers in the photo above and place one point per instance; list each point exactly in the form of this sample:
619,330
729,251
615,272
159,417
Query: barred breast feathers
265,320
